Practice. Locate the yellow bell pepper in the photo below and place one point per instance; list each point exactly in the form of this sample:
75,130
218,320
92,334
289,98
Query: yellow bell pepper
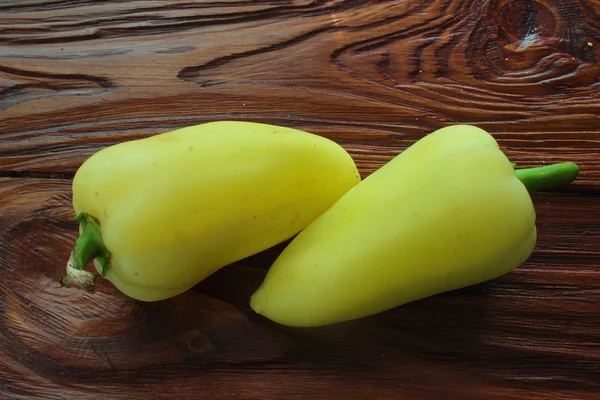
160,214
448,212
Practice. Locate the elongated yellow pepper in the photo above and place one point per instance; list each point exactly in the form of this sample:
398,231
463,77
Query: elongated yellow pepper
448,212
160,214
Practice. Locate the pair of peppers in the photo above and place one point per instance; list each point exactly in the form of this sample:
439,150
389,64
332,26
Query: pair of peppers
159,215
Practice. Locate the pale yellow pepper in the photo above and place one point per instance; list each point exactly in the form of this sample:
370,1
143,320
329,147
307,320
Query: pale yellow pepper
160,214
448,212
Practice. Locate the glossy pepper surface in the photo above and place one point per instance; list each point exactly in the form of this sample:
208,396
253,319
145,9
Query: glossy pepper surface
448,212
160,214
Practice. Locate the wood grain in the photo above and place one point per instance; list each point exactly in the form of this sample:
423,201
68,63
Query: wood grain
530,334
375,76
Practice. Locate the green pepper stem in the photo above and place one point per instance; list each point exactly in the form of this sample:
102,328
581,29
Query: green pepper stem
89,246
548,176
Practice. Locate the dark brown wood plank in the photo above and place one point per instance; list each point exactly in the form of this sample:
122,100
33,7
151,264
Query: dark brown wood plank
530,334
374,76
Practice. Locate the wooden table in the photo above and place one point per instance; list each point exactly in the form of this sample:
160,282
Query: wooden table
375,76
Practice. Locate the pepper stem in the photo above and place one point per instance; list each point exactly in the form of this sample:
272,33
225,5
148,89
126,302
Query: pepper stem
548,176
89,246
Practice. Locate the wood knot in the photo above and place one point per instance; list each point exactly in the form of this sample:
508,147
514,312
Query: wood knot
523,23
534,47
196,342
